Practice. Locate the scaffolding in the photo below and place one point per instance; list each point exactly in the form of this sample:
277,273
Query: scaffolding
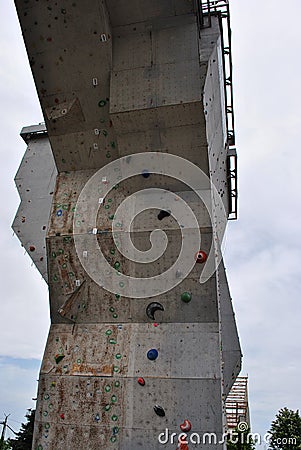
205,10
237,409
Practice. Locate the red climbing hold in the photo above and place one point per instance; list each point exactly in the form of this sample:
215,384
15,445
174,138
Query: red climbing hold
183,447
32,248
186,425
62,416
200,256
141,381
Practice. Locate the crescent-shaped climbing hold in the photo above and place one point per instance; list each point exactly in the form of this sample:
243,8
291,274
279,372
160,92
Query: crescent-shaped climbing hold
201,256
186,425
159,410
163,214
141,381
152,354
152,308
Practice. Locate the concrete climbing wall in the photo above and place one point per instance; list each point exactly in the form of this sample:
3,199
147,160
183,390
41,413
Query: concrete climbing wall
35,181
116,79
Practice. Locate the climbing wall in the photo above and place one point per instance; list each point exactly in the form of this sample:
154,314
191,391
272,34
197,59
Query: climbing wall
35,181
117,79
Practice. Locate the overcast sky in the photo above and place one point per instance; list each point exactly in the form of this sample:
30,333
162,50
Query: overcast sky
263,247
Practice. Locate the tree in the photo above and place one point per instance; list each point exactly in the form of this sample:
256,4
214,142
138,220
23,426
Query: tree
25,435
240,439
286,430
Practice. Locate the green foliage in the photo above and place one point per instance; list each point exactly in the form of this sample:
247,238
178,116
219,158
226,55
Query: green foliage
240,440
5,445
286,430
24,437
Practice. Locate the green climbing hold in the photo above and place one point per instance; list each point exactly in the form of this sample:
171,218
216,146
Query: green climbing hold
114,418
116,369
107,407
118,356
59,358
107,388
117,265
102,103
117,296
112,251
186,297
115,316
111,217
112,309
108,332
117,383
113,399
108,155
113,438
113,145
112,341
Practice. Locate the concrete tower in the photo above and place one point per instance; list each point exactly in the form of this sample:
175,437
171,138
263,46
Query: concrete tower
138,136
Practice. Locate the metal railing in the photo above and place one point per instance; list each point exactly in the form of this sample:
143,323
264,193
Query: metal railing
205,10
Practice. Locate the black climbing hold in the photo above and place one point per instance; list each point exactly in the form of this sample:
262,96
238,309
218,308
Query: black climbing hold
145,173
159,410
163,214
152,308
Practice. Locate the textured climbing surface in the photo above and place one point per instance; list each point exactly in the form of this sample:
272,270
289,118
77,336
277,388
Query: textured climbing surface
115,79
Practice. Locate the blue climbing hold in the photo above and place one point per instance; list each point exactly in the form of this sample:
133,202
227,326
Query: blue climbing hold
145,173
59,213
152,354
